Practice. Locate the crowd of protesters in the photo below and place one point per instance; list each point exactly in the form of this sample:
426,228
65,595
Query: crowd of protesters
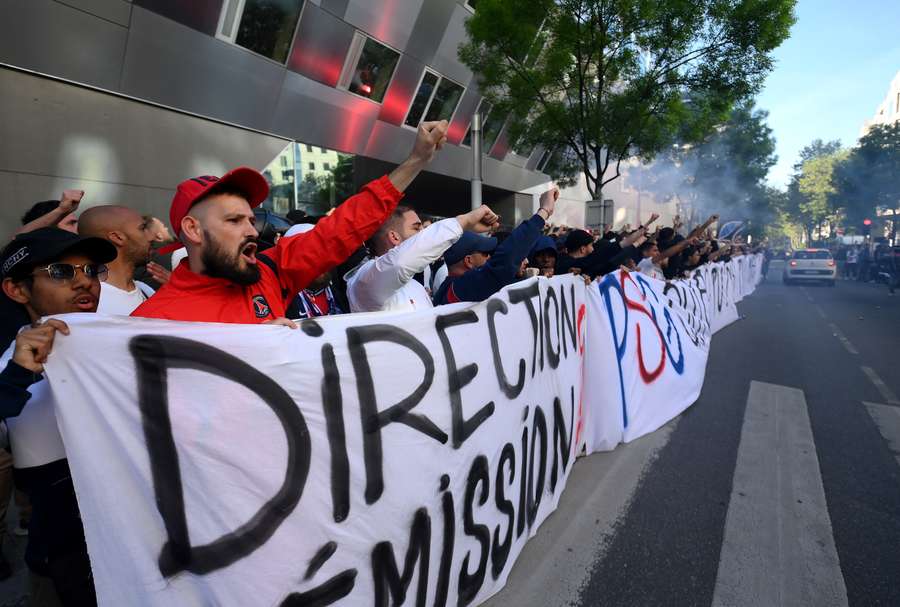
869,262
218,265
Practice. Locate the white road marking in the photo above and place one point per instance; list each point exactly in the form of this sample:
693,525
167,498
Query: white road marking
778,547
886,393
820,311
887,419
806,293
844,341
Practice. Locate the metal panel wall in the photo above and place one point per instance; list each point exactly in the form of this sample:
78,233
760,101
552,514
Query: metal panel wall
50,37
390,21
170,64
201,15
434,17
117,11
463,118
446,59
115,149
314,113
320,46
403,88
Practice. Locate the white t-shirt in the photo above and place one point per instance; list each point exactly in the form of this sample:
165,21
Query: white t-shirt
33,434
120,302
647,267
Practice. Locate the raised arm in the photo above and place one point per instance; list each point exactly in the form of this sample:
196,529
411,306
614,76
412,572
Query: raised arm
67,204
675,249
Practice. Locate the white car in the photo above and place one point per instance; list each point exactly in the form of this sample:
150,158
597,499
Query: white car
810,264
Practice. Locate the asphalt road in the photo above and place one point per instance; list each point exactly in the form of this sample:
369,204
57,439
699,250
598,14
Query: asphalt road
779,486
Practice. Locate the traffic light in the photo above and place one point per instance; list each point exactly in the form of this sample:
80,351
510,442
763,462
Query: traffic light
867,226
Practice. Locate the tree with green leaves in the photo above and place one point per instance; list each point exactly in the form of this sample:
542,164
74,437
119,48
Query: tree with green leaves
811,193
602,81
869,179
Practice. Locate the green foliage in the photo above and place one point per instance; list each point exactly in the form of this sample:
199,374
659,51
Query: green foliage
811,193
869,179
601,81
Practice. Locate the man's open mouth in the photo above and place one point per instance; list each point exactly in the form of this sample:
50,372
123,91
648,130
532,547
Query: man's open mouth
248,253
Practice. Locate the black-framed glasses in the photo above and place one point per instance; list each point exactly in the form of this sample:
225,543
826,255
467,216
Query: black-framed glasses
66,271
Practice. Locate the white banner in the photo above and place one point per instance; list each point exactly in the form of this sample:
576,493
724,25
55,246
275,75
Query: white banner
378,458
648,344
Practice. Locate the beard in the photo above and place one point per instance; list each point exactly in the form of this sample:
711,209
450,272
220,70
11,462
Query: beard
219,263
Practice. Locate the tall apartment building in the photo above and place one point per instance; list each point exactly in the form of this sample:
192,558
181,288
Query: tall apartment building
888,111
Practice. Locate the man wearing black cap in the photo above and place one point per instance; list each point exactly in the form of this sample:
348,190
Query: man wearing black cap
596,259
475,273
47,272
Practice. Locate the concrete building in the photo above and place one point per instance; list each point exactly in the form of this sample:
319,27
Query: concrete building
125,99
888,111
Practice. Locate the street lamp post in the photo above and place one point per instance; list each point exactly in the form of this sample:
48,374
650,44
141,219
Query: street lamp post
476,160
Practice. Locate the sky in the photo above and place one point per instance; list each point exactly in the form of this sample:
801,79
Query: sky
830,75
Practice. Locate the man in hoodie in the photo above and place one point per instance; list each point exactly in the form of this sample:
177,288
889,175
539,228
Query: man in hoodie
474,275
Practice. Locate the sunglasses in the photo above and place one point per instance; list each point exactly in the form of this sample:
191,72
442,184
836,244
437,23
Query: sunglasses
66,271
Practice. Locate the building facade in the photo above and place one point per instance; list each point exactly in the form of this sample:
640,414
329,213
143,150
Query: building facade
124,99
888,111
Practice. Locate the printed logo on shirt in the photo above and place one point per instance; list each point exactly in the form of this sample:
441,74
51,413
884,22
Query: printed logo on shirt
261,306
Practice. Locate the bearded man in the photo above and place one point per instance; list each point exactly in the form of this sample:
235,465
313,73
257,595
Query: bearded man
224,280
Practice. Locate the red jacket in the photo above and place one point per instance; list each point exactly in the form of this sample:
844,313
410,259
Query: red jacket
300,259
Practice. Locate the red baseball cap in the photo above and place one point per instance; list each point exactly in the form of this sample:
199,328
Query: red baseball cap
247,180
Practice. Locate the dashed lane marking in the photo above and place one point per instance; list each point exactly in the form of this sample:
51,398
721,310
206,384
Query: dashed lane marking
844,341
886,393
887,419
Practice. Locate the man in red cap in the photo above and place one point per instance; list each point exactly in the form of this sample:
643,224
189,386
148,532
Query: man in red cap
224,280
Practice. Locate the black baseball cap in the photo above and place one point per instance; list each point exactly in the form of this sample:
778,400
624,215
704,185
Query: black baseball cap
578,238
469,243
46,245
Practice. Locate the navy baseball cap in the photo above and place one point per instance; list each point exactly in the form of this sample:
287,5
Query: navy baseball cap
46,245
469,243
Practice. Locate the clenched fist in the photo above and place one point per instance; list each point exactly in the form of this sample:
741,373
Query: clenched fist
481,220
33,345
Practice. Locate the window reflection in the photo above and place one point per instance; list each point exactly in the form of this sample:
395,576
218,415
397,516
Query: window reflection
372,72
420,101
445,101
313,180
267,26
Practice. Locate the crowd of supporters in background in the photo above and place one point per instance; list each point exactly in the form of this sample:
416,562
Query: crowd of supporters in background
222,259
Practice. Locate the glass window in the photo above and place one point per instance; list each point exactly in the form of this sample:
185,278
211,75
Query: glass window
369,69
263,26
314,187
309,148
472,4
491,125
420,101
485,108
445,100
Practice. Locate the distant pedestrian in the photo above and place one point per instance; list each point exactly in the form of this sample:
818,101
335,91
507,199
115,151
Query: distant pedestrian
852,263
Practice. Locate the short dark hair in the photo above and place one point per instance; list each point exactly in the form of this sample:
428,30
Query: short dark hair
647,245
391,223
666,233
39,209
